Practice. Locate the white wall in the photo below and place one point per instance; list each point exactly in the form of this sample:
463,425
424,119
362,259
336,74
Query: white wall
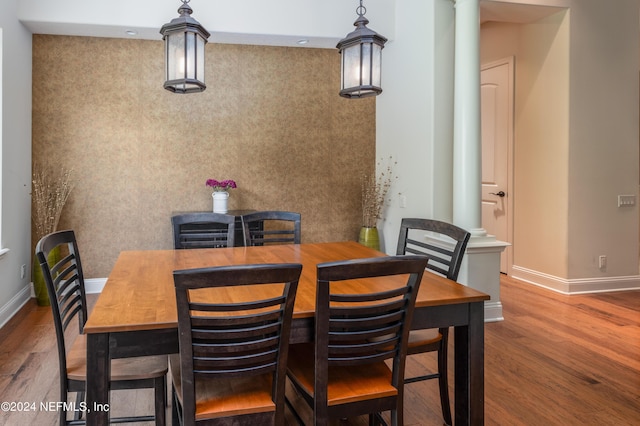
576,143
414,114
541,140
603,152
542,146
16,161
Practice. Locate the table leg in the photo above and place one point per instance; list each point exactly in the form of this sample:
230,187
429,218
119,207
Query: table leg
98,373
469,368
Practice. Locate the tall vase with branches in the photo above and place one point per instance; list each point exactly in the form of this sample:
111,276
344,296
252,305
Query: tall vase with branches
51,187
374,196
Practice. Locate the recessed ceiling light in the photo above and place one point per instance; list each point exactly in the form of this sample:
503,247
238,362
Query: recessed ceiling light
131,32
303,41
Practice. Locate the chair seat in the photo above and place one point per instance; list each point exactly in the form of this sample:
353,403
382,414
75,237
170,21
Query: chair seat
346,384
226,397
139,368
423,340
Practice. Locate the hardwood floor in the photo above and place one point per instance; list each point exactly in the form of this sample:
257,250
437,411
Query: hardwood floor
555,360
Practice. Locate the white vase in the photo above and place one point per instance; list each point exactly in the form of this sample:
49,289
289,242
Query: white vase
220,199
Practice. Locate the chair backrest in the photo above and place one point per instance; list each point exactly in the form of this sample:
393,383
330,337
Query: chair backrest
276,227
365,327
203,230
442,258
59,259
226,338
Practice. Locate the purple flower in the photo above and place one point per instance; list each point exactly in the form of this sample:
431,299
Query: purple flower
223,185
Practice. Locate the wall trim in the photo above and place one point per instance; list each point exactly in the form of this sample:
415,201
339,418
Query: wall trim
493,311
91,286
94,285
14,305
576,286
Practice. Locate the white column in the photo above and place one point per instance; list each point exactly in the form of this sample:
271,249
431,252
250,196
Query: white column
481,266
467,161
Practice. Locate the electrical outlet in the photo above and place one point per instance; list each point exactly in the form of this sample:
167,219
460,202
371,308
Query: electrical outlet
23,272
403,201
602,262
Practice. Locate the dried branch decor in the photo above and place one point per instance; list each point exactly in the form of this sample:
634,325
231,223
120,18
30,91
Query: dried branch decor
51,189
374,194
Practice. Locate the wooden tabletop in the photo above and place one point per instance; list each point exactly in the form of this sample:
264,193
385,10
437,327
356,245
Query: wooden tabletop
140,295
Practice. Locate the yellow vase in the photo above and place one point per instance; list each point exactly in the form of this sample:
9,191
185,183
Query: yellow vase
39,286
369,237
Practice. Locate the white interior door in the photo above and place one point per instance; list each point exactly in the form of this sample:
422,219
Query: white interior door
497,106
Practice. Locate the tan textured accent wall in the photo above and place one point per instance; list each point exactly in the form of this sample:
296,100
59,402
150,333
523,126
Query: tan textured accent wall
271,119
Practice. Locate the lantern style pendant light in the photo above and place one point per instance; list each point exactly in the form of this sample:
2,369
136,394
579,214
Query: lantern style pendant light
184,40
361,52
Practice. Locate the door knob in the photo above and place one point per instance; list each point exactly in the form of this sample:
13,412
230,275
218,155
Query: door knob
499,193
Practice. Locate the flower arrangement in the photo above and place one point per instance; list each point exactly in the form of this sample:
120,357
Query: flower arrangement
50,191
374,194
221,185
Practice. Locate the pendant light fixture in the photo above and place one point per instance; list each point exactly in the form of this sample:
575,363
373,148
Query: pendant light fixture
361,60
184,40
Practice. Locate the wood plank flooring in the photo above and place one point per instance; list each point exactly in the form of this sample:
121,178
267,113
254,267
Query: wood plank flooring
555,360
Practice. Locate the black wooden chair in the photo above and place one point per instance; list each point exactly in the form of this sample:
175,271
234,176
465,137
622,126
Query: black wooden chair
232,363
274,227
444,258
65,285
344,374
203,230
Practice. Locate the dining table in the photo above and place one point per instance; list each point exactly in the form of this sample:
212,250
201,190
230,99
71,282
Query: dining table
136,313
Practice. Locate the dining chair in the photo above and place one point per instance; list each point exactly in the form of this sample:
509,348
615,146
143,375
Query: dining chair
65,285
231,368
344,373
271,227
203,230
445,257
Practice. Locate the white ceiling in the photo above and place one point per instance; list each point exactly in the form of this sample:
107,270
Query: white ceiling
517,13
39,20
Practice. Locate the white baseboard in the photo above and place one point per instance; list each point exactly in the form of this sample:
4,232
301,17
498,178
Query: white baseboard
91,286
13,306
576,286
493,311
94,285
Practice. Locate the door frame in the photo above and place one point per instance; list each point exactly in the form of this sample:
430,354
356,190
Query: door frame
510,62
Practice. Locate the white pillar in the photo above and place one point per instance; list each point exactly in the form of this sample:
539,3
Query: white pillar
481,266
467,160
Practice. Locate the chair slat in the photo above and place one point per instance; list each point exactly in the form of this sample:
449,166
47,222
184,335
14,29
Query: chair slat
236,372
243,306
236,333
68,259
203,355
